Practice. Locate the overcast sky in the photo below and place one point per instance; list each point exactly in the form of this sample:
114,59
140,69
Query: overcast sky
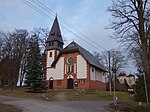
88,16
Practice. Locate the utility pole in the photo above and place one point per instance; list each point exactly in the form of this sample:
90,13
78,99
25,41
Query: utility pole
109,70
114,88
114,81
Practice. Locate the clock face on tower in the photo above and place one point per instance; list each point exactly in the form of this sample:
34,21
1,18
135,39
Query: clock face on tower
70,60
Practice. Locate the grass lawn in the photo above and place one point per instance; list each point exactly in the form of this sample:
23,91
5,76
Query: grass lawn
69,95
9,108
97,95
20,93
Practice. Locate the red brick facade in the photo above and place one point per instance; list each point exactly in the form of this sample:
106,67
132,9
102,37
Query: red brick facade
77,83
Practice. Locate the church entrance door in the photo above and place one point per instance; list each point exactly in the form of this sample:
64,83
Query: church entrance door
70,83
51,84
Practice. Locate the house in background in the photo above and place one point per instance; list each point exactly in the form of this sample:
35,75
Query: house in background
129,79
72,67
121,77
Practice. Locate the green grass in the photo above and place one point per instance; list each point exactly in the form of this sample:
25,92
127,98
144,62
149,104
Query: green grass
96,95
124,96
20,92
9,108
74,95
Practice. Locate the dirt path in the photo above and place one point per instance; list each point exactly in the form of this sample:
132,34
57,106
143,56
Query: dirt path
29,105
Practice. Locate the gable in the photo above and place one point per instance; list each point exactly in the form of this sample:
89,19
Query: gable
73,47
86,54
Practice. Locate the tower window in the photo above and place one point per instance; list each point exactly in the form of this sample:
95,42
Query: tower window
52,34
51,44
50,54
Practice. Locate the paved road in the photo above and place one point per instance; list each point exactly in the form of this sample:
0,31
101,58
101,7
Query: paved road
55,106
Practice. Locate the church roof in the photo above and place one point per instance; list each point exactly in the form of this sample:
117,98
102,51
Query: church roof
73,47
130,75
55,33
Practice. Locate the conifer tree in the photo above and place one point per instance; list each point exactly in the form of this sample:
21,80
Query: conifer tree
34,76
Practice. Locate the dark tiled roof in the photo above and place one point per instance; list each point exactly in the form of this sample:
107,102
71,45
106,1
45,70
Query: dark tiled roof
122,74
73,47
130,75
55,33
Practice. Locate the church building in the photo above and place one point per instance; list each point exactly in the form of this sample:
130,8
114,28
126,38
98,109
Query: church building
72,67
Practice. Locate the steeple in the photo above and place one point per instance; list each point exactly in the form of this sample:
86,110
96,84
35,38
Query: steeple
54,40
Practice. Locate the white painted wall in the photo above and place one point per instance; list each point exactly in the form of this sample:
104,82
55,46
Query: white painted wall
104,77
58,72
81,67
50,59
97,75
92,73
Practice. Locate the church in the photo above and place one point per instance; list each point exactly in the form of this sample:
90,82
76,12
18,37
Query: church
72,67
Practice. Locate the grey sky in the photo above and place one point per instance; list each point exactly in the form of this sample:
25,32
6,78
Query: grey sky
88,16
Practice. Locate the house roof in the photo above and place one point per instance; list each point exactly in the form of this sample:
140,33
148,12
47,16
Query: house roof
130,75
55,33
121,74
74,47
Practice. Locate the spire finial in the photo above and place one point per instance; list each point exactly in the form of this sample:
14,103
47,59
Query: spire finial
56,14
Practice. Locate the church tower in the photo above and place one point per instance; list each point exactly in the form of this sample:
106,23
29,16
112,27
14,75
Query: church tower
54,43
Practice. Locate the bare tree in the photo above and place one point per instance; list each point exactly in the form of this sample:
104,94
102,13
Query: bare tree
42,34
1,43
14,49
7,60
101,57
131,24
136,55
12,55
117,60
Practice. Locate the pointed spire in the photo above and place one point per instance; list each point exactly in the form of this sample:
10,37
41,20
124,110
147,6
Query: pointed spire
55,33
54,40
